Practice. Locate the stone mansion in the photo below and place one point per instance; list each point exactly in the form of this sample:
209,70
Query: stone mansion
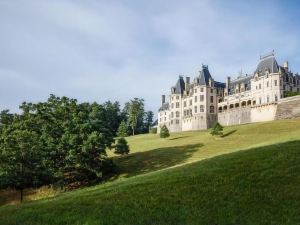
262,96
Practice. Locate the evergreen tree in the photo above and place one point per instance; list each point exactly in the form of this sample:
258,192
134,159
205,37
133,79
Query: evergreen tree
164,132
122,146
122,130
217,129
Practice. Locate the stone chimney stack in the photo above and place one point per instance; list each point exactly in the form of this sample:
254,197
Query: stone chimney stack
227,84
163,99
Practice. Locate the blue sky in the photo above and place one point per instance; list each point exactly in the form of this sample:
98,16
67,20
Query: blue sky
97,50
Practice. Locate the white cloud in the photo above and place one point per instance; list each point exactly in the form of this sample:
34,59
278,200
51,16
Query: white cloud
102,50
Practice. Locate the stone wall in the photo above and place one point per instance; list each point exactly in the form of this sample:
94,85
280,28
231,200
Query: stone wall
235,116
285,108
288,108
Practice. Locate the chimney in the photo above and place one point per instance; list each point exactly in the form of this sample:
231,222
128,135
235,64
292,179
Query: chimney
163,99
286,65
227,82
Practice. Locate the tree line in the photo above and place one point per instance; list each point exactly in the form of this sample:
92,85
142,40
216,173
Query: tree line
62,142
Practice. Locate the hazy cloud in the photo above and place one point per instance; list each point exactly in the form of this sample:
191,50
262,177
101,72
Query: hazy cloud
115,50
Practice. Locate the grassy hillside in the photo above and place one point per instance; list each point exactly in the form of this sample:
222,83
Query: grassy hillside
150,153
258,186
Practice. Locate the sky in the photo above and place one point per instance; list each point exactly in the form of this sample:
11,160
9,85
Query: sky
97,50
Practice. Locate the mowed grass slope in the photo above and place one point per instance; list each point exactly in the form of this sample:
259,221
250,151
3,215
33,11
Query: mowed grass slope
150,153
257,186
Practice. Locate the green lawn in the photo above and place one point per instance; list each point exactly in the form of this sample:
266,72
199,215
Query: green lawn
166,181
149,152
259,186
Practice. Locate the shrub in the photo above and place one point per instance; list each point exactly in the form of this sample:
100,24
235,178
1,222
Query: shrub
217,129
153,130
164,132
121,146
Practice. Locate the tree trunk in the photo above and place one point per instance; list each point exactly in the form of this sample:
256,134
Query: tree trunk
132,131
21,195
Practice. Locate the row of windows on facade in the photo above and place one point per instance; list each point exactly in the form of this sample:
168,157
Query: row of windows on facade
195,91
201,99
189,112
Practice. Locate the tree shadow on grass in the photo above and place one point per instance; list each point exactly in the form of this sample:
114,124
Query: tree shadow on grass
228,133
178,138
157,159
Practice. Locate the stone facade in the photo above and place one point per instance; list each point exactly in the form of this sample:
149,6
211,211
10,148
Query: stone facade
251,98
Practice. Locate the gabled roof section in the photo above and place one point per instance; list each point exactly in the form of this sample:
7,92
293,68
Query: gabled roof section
180,86
204,75
267,62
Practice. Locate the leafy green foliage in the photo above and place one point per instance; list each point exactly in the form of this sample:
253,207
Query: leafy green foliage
217,129
122,146
290,94
50,142
134,111
122,130
164,132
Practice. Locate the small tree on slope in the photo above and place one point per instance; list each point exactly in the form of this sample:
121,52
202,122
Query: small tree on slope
164,132
122,130
122,146
217,129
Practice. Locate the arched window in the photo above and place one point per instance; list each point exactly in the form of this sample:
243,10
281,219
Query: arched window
212,109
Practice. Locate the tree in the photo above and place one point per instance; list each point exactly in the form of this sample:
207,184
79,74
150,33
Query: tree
164,132
217,129
148,121
122,146
21,161
135,113
122,130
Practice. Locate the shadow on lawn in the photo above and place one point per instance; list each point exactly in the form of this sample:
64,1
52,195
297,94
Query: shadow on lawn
178,138
144,162
229,133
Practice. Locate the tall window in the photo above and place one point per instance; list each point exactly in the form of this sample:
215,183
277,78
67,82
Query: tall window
177,97
276,98
268,98
195,98
275,82
201,108
201,98
267,83
177,113
177,104
212,109
201,89
184,103
211,99
191,102
195,90
211,90
259,86
195,109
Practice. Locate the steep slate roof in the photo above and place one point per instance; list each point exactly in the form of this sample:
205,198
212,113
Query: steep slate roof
165,106
180,86
246,79
268,62
204,76
218,84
